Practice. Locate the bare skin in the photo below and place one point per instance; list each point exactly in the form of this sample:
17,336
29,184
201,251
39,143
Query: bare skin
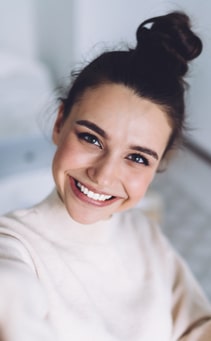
108,151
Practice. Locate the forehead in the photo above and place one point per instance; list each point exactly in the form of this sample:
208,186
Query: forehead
111,102
126,118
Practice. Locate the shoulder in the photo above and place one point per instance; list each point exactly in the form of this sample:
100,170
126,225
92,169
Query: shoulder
20,232
28,216
14,222
19,227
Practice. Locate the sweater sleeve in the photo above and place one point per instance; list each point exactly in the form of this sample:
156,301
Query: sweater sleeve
191,311
23,308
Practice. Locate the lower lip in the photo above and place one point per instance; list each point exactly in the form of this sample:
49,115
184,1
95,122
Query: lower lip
88,200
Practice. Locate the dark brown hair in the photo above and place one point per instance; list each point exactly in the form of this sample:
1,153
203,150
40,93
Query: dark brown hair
154,69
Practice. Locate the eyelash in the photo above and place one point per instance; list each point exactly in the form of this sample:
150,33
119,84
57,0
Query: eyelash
134,157
92,139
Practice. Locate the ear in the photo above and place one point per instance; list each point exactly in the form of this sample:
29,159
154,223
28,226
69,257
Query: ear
58,125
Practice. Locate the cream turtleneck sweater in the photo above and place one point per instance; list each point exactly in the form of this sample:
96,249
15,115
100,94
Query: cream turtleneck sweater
116,280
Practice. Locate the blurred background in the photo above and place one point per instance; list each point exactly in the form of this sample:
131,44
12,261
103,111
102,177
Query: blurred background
41,41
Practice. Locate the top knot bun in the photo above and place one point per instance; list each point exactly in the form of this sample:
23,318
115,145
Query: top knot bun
169,42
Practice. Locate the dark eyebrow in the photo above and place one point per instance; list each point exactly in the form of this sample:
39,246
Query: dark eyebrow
93,127
146,151
101,132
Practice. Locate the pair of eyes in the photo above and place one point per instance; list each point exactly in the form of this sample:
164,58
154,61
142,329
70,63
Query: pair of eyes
134,157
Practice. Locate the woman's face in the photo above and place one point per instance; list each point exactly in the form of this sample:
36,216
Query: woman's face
108,151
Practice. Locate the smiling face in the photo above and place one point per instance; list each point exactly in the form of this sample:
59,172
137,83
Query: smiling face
108,150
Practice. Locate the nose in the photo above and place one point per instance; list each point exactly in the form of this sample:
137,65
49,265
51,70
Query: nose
104,171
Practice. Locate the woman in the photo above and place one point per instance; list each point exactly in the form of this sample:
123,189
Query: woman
84,264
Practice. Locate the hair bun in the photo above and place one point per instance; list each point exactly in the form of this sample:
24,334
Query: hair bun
169,42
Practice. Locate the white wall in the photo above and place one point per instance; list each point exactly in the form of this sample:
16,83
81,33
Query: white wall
17,27
56,34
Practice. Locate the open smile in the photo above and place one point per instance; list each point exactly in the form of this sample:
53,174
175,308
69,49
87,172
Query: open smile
89,195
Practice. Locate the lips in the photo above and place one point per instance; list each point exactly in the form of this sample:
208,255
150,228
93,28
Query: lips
89,195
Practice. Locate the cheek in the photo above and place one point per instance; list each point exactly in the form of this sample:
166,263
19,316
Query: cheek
69,156
138,186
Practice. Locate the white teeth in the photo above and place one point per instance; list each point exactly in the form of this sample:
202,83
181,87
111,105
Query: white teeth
92,195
